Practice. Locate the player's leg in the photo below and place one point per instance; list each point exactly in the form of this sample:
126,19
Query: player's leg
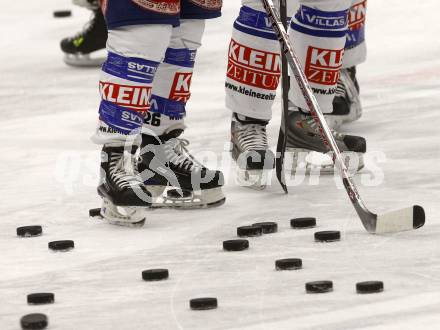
318,31
165,158
346,104
253,75
83,48
137,41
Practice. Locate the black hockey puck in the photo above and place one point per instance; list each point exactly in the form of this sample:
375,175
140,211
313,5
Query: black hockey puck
303,223
177,193
34,322
155,274
319,287
62,13
288,264
236,245
327,236
249,231
29,231
61,245
268,227
41,298
95,212
200,304
369,287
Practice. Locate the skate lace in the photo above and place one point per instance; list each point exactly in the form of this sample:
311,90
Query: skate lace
177,153
252,137
123,170
340,87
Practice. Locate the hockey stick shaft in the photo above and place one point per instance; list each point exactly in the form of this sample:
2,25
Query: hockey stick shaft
404,219
281,145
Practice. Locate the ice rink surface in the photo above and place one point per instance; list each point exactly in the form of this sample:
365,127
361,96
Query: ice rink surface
49,172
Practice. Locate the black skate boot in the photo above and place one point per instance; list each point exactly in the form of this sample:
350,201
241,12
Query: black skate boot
346,104
83,48
166,162
121,188
251,152
303,139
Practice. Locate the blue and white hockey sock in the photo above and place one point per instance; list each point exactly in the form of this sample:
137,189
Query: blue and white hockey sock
318,33
171,88
127,77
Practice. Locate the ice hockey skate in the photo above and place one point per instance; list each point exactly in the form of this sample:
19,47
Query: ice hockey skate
251,152
174,177
347,105
309,154
123,193
87,48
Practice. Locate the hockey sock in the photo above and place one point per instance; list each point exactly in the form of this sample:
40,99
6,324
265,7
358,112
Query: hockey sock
127,79
171,88
253,71
355,47
318,33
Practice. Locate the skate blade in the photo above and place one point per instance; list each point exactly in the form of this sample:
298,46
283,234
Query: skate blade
253,179
190,200
115,222
126,216
94,59
308,162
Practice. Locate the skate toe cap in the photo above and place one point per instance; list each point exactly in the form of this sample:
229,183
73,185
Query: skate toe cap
355,143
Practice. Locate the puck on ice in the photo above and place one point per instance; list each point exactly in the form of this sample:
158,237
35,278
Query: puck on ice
203,303
62,13
319,287
34,321
61,245
268,227
95,212
236,245
249,231
288,264
369,287
41,298
29,231
303,223
155,274
328,236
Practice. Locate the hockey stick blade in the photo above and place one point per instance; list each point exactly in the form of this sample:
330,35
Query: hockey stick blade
400,220
395,221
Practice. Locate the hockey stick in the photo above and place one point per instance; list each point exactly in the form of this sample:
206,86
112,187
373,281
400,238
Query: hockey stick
404,219
281,145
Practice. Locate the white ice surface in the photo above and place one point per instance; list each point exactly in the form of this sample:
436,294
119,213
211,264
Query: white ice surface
48,173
